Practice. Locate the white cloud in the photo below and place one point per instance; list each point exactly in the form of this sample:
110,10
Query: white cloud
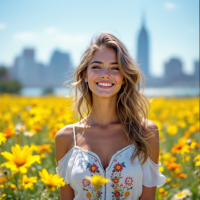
2,26
25,36
170,6
50,30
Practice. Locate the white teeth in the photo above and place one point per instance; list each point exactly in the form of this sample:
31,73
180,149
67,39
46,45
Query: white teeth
105,84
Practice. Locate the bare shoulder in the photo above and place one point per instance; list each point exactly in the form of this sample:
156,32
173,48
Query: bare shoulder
63,139
153,141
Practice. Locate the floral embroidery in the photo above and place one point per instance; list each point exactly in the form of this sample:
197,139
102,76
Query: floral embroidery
118,167
121,191
129,181
86,183
93,168
87,186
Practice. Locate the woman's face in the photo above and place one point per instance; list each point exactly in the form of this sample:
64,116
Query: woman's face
103,74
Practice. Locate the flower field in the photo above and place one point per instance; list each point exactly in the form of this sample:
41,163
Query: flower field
27,155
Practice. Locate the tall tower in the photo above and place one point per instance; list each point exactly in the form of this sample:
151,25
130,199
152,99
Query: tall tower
143,50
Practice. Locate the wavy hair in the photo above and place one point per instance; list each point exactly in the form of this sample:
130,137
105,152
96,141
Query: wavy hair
132,105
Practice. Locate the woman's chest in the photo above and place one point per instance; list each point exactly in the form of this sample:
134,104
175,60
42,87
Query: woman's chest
124,176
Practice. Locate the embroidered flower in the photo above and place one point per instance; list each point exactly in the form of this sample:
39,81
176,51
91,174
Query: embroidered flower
116,188
120,191
88,187
117,194
116,180
93,168
88,195
126,194
98,194
118,167
86,183
115,160
129,181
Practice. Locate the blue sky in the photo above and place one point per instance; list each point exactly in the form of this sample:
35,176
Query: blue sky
68,25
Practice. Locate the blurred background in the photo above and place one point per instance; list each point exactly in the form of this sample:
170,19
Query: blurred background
41,42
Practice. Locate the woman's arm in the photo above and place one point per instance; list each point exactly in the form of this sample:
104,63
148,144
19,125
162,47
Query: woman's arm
62,141
150,193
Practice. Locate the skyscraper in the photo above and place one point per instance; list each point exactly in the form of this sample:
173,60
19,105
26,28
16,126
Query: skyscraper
143,50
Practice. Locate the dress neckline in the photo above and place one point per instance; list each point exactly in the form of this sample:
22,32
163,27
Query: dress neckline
112,158
97,157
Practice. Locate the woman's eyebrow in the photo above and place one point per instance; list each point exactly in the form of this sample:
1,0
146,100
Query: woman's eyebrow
96,62
112,63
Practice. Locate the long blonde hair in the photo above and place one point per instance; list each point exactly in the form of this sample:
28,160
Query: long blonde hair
132,105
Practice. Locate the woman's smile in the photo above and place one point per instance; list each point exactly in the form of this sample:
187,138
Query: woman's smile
105,84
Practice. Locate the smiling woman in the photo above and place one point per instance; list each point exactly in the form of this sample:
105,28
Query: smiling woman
115,140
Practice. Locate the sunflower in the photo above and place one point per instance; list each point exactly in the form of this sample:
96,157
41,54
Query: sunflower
51,180
28,182
20,159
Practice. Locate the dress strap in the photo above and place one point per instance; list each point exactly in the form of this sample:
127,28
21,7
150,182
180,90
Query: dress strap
74,136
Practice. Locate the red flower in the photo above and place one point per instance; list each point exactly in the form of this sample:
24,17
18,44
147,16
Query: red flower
129,181
116,180
118,167
117,194
98,194
86,183
93,168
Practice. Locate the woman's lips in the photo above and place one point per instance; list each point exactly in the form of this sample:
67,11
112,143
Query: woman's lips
105,87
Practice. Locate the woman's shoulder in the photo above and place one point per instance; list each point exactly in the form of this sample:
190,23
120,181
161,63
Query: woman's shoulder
152,132
64,139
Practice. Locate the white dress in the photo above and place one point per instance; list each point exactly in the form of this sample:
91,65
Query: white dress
126,178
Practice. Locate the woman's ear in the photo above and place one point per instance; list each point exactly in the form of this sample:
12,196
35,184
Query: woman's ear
85,76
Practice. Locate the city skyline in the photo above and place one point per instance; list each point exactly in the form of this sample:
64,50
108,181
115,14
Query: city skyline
172,33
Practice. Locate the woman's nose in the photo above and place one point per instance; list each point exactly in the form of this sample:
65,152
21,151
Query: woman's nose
105,74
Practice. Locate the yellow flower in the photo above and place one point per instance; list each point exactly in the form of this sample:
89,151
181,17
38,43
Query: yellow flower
51,180
88,195
197,158
161,169
182,175
97,180
13,187
126,194
3,179
2,137
172,129
28,182
20,159
162,192
181,148
44,148
168,179
1,196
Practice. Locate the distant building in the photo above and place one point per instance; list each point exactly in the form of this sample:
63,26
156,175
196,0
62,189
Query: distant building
143,50
59,69
24,68
173,69
32,74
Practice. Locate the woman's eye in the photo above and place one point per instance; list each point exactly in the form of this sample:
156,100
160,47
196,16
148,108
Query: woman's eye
115,68
95,67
